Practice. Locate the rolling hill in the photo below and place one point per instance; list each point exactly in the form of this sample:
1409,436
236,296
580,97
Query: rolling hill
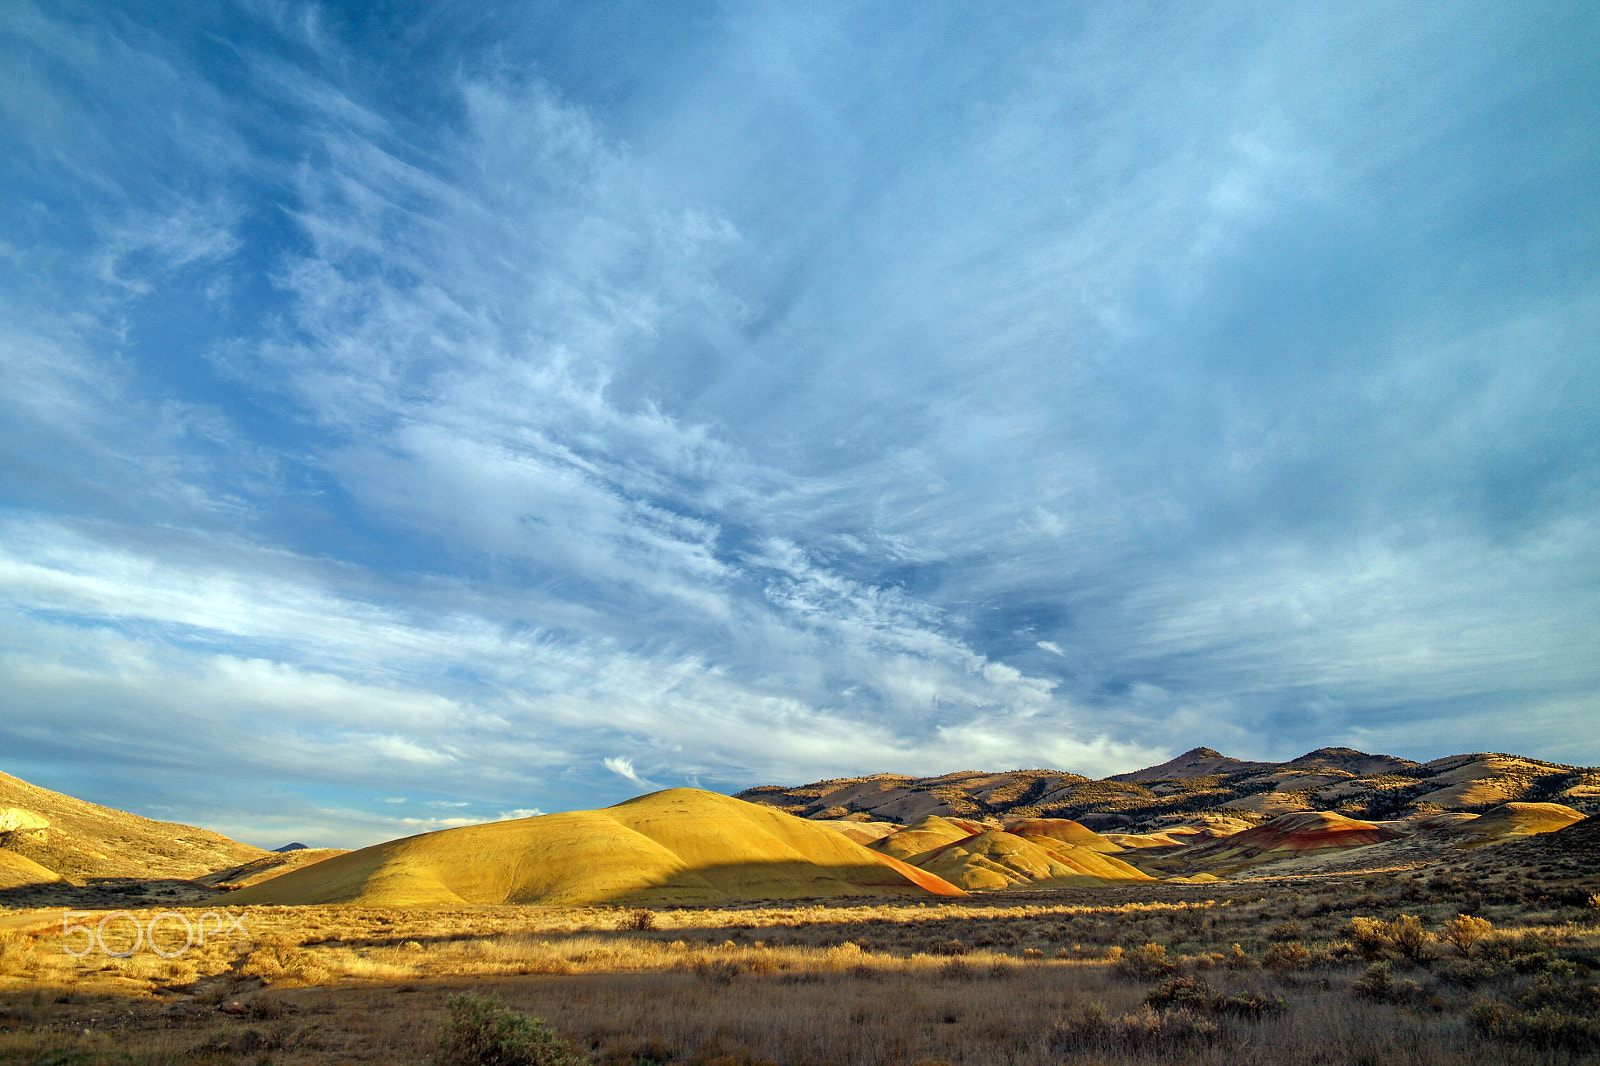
680,846
73,839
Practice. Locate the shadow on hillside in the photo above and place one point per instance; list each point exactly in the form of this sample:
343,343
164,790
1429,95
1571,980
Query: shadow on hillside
107,893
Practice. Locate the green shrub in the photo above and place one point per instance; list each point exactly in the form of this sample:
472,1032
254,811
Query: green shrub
1193,994
483,1031
1379,985
1468,973
1578,1033
1285,931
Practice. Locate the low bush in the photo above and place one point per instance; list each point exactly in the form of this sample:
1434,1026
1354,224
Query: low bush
1464,931
1467,973
483,1031
1379,985
1291,955
1285,931
1151,1032
1145,961
642,920
1548,1028
1366,935
1404,935
1194,994
1408,936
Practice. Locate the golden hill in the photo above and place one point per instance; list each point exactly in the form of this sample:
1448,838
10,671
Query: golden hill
925,836
1055,831
1000,859
1517,820
1039,851
75,839
680,846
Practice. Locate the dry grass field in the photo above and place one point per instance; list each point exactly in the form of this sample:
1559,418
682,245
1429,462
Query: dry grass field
1335,969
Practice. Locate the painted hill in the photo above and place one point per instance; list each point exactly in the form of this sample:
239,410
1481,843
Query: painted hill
1516,820
1572,850
1289,836
74,839
999,859
926,836
1053,832
680,846
1039,851
1201,788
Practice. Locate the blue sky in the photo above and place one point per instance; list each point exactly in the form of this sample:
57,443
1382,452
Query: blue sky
419,414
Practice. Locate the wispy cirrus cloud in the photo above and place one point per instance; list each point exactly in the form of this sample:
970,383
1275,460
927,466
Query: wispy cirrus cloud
767,404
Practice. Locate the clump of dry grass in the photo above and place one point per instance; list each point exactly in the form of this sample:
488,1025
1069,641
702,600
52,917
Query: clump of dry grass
18,955
278,958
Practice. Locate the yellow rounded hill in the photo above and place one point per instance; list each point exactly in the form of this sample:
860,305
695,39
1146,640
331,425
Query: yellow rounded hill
679,846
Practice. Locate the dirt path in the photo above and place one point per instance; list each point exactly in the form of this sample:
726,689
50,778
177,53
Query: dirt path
29,919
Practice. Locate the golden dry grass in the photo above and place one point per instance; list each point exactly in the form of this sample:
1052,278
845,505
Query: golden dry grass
1372,972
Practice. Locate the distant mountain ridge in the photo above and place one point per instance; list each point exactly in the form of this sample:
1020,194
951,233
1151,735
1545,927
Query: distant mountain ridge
1201,786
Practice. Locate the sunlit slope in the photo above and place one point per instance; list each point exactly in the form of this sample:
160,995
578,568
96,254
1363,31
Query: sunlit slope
677,846
1063,831
922,837
1519,820
77,839
18,870
998,859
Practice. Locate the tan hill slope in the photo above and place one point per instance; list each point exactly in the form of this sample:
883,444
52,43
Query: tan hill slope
74,839
1033,852
999,859
17,871
680,846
